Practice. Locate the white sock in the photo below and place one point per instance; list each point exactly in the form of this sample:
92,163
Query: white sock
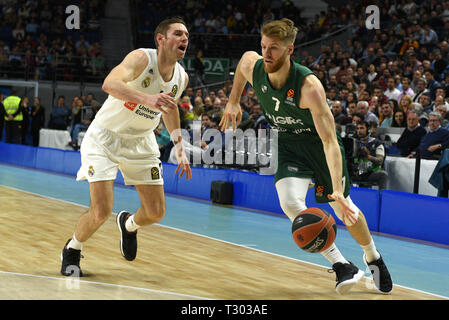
371,252
75,244
334,255
130,225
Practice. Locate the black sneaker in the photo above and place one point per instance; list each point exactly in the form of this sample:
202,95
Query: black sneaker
71,262
347,276
381,276
128,240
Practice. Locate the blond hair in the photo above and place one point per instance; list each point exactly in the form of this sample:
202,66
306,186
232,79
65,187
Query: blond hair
283,29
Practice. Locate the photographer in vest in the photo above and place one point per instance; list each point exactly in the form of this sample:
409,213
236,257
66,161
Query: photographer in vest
369,161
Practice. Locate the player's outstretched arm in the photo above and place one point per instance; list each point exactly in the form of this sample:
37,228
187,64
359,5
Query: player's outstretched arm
243,73
313,97
129,69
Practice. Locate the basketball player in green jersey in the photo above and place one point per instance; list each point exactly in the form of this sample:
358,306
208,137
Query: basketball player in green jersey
294,103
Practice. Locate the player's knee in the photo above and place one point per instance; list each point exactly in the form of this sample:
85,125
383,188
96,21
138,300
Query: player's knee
338,213
100,214
292,207
155,213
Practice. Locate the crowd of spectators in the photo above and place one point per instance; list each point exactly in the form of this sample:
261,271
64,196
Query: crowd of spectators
217,26
36,44
393,77
381,76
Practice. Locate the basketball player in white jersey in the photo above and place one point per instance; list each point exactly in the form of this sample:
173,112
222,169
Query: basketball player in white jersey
143,87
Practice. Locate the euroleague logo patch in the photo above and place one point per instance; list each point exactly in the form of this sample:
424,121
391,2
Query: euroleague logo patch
155,173
319,191
91,171
290,97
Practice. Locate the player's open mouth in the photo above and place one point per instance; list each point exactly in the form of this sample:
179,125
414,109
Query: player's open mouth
182,48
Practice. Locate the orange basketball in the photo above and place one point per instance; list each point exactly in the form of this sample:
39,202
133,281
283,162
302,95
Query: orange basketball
314,230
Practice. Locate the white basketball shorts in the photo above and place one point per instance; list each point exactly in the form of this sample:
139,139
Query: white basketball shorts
103,152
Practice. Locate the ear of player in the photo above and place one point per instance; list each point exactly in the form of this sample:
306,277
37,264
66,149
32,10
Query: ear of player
314,230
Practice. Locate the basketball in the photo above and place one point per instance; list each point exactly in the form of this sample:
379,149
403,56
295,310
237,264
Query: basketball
314,230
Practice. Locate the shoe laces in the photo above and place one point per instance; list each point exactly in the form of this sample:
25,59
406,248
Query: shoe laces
73,256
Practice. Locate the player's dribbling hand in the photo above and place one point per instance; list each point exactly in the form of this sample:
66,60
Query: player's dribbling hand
348,215
162,102
232,114
183,162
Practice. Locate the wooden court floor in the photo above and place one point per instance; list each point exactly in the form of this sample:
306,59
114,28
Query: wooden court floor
170,264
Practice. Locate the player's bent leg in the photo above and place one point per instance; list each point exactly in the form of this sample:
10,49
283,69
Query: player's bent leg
292,192
372,258
101,203
151,211
102,197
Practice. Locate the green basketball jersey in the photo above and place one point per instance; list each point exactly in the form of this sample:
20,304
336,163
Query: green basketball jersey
281,107
300,151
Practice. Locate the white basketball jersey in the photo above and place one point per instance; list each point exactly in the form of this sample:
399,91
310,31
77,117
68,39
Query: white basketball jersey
130,118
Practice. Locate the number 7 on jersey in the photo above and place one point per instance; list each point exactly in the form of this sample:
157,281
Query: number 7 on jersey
276,107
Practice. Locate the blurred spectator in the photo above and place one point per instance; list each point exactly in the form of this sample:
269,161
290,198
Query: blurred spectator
357,118
432,84
417,75
405,104
339,116
351,108
386,118
392,92
198,108
399,119
425,101
412,135
208,106
429,37
198,66
59,116
98,64
205,122
185,104
435,140
25,106
217,111
256,119
442,109
405,89
408,43
37,120
368,116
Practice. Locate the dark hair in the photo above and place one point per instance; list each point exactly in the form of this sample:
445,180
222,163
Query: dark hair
404,121
430,71
366,124
361,116
165,24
